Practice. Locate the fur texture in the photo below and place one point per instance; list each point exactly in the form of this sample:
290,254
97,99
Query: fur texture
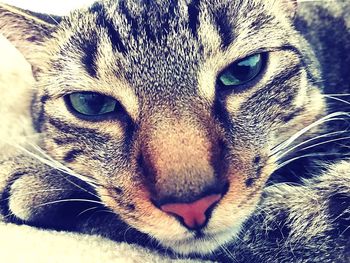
178,136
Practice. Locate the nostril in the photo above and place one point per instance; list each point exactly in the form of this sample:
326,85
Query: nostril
193,215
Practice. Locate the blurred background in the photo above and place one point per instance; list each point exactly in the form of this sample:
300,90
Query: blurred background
61,7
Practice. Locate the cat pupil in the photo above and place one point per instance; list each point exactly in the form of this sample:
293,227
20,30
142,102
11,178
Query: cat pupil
242,72
91,104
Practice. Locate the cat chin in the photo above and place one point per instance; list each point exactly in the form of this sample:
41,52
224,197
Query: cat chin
202,246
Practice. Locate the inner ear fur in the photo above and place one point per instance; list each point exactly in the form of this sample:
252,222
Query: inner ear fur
291,7
26,30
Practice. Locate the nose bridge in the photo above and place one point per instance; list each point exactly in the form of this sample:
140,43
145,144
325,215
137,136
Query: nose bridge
179,151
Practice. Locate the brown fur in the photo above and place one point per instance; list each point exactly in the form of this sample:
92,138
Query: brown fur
177,136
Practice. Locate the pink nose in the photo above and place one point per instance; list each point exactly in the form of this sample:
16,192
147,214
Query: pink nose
194,214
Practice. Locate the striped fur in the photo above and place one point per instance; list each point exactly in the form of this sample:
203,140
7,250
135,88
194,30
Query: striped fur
178,136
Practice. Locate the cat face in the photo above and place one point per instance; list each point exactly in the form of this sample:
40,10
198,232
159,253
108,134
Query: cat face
173,108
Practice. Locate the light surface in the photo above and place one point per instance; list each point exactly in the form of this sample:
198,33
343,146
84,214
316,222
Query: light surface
60,7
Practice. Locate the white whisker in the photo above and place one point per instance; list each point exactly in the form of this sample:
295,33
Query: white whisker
325,142
226,251
57,23
282,184
337,99
70,200
57,202
37,191
327,118
87,210
308,155
62,167
48,160
337,94
281,155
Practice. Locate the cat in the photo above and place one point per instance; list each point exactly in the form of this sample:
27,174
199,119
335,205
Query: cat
204,129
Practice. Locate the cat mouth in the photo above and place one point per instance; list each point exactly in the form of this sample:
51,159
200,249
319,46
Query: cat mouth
201,243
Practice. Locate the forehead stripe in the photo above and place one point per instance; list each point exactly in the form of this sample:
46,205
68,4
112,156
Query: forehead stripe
131,20
193,16
224,26
88,59
104,22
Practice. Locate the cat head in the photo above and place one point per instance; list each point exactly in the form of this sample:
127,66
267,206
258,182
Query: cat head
175,108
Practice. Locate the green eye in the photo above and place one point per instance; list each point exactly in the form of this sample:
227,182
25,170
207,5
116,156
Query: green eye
242,71
91,103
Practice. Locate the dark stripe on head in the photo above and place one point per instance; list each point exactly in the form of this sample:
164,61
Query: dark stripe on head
103,21
148,22
89,57
224,26
131,20
260,21
167,17
72,155
193,16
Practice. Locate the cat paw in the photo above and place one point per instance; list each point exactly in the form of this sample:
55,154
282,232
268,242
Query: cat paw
44,199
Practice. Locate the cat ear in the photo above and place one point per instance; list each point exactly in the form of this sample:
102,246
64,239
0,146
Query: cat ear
26,30
290,6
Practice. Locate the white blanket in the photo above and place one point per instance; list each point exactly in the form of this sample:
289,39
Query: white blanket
24,244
